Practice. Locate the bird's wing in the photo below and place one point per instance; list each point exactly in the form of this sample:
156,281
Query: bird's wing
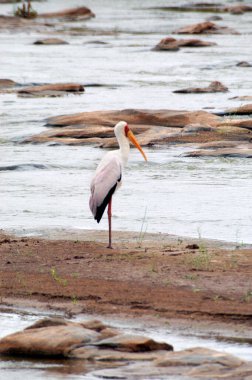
104,185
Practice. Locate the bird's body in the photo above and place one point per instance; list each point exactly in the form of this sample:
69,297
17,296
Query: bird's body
108,175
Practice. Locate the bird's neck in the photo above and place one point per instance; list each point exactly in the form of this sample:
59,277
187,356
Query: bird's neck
124,148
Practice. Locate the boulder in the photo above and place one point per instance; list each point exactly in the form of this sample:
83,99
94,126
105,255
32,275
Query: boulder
242,98
72,14
7,83
171,44
50,41
51,90
198,356
207,7
152,127
214,18
245,109
213,87
238,9
148,118
60,338
50,341
245,152
243,64
206,27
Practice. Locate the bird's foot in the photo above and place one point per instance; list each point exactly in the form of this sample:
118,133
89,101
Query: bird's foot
110,246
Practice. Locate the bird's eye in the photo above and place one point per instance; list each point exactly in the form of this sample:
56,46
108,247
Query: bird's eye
126,130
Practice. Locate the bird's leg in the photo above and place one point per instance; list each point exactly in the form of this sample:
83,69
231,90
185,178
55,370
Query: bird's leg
109,222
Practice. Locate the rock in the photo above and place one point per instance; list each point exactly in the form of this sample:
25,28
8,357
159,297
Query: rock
147,118
239,9
52,341
172,44
223,152
50,41
152,127
206,27
6,83
13,23
236,123
245,97
187,364
221,144
132,343
72,14
51,90
195,128
214,18
207,7
213,87
243,64
60,338
198,356
242,110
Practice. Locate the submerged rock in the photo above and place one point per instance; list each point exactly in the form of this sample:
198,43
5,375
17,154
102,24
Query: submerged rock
206,27
245,152
243,64
7,83
172,44
51,90
72,14
50,41
208,7
213,87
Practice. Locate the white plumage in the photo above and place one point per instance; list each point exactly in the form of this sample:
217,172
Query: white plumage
108,175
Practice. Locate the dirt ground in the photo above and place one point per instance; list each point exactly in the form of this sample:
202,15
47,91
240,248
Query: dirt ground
155,275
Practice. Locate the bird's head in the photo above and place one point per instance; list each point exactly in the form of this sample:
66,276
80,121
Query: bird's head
122,129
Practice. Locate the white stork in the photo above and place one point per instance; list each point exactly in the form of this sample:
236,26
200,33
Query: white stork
108,175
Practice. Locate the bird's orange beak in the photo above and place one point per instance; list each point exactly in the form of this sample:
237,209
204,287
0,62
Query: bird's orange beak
134,141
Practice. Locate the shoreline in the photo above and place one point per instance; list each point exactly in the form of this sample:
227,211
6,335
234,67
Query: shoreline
190,281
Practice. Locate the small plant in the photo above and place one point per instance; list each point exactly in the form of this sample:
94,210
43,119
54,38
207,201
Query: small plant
57,278
26,11
74,300
248,296
191,277
142,231
202,260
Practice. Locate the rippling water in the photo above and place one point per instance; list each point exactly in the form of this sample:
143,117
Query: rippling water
45,186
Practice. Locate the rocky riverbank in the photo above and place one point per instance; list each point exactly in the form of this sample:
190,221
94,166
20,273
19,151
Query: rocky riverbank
105,352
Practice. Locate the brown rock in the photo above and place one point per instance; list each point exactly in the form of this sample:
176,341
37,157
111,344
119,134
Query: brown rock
198,356
244,64
12,22
132,343
72,14
245,97
242,110
206,27
50,41
6,83
152,127
236,123
207,7
239,9
172,44
47,341
165,118
213,87
56,89
223,152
